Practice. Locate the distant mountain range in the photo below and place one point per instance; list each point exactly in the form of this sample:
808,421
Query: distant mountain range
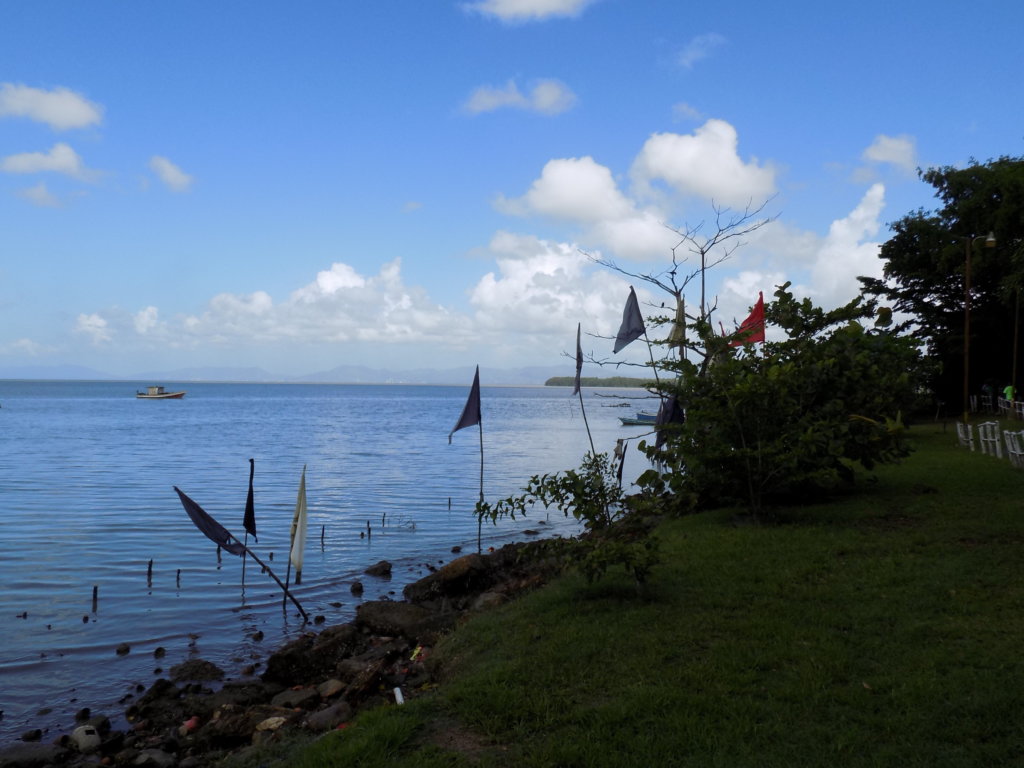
343,374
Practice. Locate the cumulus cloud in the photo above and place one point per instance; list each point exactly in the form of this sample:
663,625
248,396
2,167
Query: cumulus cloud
823,268
576,188
339,305
547,97
170,174
543,288
849,251
584,192
898,151
60,159
146,320
531,300
699,48
39,195
528,10
704,164
59,108
95,327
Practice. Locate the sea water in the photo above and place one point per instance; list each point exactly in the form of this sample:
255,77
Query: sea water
87,507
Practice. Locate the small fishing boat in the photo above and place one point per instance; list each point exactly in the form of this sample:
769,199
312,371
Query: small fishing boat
642,418
159,393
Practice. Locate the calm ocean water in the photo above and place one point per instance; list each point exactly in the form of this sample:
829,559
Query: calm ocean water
86,500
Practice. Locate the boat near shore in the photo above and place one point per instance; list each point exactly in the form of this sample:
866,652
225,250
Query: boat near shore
159,393
642,418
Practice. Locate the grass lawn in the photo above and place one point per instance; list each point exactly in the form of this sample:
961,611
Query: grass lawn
885,628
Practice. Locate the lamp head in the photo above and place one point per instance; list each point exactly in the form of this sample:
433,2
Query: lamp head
990,241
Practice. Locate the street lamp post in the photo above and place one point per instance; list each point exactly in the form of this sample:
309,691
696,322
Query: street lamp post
990,242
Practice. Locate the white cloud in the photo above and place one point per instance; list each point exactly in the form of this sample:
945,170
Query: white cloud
706,164
578,189
146,320
544,288
528,10
824,269
548,97
170,174
60,159
26,346
60,108
329,282
848,252
39,195
899,151
699,48
583,192
530,301
683,111
340,305
95,327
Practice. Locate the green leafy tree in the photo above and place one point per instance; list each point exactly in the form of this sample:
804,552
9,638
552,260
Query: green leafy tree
793,420
925,273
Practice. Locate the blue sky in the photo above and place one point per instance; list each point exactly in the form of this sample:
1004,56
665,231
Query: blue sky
403,183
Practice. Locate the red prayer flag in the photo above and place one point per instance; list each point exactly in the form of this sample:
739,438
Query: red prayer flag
751,329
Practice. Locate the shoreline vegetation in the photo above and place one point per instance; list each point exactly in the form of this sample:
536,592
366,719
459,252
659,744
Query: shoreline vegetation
880,628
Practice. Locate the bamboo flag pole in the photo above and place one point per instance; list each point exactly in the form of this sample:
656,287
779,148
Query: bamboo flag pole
287,593
479,519
576,390
248,519
471,415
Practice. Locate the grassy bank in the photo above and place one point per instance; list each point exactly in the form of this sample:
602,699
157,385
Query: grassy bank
885,628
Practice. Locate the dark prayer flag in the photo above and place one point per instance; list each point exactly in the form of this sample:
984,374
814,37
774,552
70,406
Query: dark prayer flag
751,329
213,530
670,413
579,362
632,327
471,410
249,521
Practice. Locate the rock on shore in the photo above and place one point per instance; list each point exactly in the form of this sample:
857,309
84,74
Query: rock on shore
316,682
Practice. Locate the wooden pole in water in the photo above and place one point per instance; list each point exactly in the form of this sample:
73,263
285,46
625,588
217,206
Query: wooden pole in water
244,558
479,519
287,581
586,423
287,594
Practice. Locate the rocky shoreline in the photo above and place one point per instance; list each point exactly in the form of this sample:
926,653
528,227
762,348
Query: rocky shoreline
314,684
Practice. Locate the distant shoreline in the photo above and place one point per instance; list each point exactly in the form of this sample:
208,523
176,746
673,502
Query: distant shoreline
620,382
